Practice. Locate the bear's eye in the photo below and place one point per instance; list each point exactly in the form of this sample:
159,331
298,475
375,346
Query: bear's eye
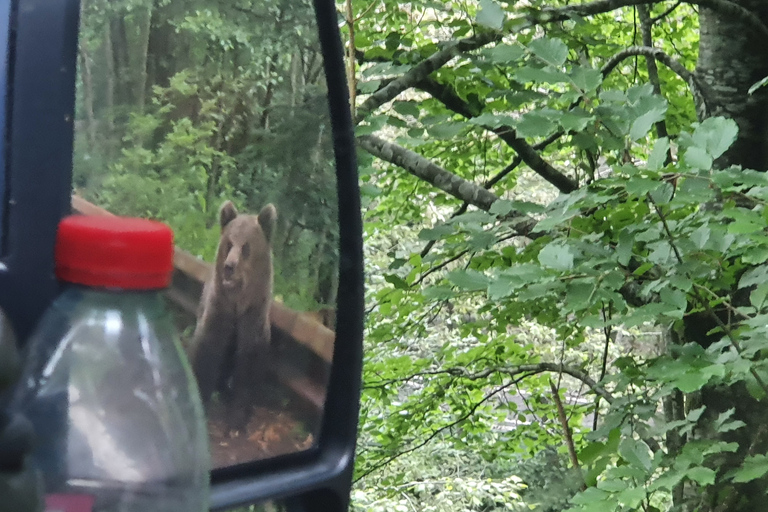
228,247
246,250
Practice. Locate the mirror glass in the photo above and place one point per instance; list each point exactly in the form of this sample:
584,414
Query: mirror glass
212,116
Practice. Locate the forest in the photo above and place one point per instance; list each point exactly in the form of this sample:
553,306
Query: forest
184,104
565,225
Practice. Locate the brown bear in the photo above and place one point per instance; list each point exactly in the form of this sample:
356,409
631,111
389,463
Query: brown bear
231,343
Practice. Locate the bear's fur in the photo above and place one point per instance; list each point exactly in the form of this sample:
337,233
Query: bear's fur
231,343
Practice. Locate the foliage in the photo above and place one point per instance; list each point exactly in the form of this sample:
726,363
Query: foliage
493,317
184,104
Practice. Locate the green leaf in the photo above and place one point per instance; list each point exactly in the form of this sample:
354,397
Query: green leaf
491,15
642,125
638,186
697,158
556,255
754,467
722,424
501,207
631,498
533,124
370,190
700,236
527,207
575,120
397,281
438,292
624,247
529,74
674,298
760,83
436,233
491,120
659,154
716,134
662,193
636,453
578,293
754,276
586,79
591,452
551,51
445,130
642,269
500,287
470,280
758,295
407,108
505,53
755,255
701,475
691,381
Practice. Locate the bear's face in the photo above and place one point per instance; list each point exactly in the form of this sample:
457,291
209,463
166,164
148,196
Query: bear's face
244,257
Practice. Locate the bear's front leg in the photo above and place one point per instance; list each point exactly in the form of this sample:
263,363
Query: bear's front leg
251,366
213,338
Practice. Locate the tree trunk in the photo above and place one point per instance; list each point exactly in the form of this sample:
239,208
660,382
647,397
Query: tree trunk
90,118
121,60
146,30
109,95
159,61
732,57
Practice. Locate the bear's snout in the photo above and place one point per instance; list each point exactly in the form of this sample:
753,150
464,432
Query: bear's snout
229,269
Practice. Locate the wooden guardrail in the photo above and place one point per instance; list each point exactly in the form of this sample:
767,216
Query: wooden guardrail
186,288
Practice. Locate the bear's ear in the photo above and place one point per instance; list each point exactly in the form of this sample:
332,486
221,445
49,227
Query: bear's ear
267,220
227,213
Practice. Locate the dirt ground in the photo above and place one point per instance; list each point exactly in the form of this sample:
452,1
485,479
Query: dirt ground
271,431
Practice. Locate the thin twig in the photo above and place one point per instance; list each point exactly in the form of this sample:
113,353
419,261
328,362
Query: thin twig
438,431
607,331
666,13
566,432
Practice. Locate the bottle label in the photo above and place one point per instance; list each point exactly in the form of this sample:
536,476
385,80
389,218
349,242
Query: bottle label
69,503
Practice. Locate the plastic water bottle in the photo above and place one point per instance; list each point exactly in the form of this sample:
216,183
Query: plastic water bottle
106,385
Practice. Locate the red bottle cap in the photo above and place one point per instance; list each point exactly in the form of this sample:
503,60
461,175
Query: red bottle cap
110,251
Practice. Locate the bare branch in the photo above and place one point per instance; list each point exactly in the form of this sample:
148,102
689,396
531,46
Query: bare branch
446,181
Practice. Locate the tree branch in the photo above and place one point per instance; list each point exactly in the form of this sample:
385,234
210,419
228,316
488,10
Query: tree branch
438,431
725,7
529,369
423,70
666,13
688,76
566,432
446,181
549,15
646,27
446,95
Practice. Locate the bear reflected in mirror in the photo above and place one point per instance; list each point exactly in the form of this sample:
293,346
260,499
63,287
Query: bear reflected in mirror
232,338
261,367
